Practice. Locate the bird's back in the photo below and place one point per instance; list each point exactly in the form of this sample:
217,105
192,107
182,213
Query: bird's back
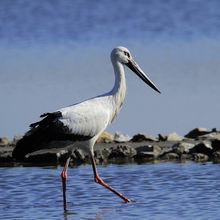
79,122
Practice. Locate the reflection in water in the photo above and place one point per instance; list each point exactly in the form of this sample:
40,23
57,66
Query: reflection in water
104,213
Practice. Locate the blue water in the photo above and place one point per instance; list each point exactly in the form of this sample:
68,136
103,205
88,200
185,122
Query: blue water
56,53
161,191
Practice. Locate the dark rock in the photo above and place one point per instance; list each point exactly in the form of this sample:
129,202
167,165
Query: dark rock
63,156
216,156
98,155
102,155
162,137
170,137
200,157
6,154
78,155
148,151
197,132
186,157
203,148
216,145
106,152
122,151
142,137
170,156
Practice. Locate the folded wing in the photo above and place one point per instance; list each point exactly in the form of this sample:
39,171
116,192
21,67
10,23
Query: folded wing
75,123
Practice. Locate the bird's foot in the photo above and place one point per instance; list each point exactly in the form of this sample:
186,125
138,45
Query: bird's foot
126,200
99,180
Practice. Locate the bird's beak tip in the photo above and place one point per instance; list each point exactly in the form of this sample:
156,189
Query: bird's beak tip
132,65
157,90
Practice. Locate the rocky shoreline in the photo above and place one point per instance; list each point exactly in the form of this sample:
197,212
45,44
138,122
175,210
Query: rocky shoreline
198,145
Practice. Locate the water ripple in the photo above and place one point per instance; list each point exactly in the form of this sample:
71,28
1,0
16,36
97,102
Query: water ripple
161,191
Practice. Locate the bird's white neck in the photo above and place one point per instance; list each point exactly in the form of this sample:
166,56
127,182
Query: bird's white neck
118,92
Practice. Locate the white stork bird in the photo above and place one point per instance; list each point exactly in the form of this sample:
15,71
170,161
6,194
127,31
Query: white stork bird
82,123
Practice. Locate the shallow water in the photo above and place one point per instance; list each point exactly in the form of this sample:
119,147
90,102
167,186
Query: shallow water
160,191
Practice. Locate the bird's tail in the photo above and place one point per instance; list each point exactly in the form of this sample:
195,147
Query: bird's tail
27,144
21,149
40,134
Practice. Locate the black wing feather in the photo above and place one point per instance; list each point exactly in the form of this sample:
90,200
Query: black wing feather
50,128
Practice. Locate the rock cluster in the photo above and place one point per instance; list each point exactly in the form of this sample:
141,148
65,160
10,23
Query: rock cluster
198,145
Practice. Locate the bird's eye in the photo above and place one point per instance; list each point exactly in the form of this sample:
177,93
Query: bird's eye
127,54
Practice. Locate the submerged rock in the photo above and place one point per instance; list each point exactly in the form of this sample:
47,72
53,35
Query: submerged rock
170,156
200,157
184,157
216,156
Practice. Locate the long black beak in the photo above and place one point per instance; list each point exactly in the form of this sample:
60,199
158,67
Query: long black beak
136,69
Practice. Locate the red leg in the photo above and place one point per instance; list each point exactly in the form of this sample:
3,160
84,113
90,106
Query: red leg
99,180
64,179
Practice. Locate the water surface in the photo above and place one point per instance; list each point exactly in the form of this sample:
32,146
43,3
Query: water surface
161,191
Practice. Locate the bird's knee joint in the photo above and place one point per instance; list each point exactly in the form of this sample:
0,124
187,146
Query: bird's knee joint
96,180
99,180
63,175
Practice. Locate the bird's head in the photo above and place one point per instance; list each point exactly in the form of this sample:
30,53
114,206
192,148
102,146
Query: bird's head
123,55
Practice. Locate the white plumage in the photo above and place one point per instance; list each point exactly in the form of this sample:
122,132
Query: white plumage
83,122
88,118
